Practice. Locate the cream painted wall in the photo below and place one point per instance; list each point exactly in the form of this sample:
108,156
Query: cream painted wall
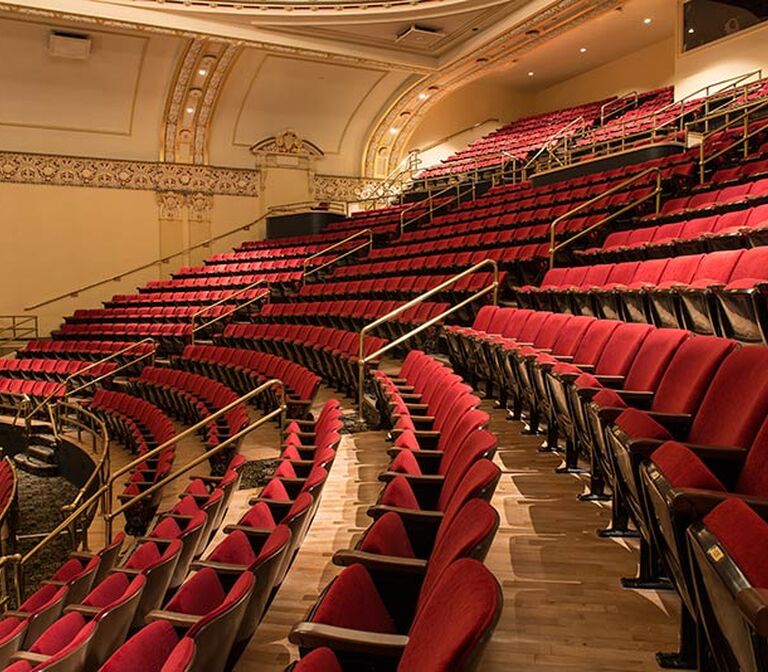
83,235
732,56
475,103
648,68
430,155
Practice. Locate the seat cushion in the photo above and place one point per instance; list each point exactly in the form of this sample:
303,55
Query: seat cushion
683,468
405,462
352,601
399,493
607,398
319,660
637,425
388,536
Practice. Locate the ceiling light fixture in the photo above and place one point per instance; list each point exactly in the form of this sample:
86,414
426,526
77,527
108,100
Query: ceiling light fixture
647,21
691,31
583,50
423,96
202,72
190,110
393,130
530,74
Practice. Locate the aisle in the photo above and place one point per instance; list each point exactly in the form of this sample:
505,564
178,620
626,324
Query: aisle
563,607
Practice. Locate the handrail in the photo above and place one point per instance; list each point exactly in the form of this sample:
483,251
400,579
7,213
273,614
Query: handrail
232,311
362,359
166,258
555,137
341,207
359,234
18,329
77,374
223,300
430,199
745,110
76,508
554,248
632,94
104,492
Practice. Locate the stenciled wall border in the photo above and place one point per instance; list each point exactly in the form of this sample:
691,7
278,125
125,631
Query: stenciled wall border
75,171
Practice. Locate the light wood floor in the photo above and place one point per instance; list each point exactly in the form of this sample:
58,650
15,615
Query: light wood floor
563,606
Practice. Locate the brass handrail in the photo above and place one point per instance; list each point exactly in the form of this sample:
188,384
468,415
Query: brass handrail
167,258
553,247
223,300
229,313
104,492
632,94
747,110
17,327
362,359
101,469
63,384
359,234
555,137
431,200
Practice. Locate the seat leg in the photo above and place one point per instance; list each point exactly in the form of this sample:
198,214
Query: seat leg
687,657
619,526
571,465
596,481
650,575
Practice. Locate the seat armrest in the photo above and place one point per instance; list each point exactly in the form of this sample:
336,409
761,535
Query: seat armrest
314,635
642,448
30,657
250,531
219,567
613,382
84,609
700,502
379,563
720,453
128,571
406,514
676,423
414,479
176,619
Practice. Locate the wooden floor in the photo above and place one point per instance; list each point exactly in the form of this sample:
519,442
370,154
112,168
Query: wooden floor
563,606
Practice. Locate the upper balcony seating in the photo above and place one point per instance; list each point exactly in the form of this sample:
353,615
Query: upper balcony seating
87,350
54,370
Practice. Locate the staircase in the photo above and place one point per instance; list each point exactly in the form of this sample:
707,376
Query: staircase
39,458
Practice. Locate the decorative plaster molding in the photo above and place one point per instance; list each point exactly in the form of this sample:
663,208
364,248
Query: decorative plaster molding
199,79
385,149
170,204
286,142
75,171
339,188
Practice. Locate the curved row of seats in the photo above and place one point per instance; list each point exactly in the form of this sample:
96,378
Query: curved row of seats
8,499
717,293
192,397
170,336
13,390
219,601
89,350
197,298
147,314
672,422
417,569
738,228
243,370
333,353
55,370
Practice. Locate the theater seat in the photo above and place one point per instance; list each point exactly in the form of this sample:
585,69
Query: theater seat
448,633
154,648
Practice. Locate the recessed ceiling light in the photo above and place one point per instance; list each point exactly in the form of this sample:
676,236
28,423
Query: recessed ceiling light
530,74
647,21
423,96
393,130
202,72
691,31
583,50
190,110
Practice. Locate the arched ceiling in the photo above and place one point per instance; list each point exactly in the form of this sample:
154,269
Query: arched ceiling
192,81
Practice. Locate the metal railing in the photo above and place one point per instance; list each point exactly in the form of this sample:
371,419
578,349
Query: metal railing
655,193
625,101
551,144
745,116
431,207
363,359
15,328
104,494
162,261
75,416
227,299
367,233
516,173
62,386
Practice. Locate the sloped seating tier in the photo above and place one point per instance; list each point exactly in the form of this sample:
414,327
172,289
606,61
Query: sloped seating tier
243,370
332,353
519,138
89,350
183,298
54,370
146,314
193,397
722,293
13,390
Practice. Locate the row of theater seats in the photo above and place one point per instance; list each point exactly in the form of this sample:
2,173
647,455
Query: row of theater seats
191,398
243,370
745,227
717,293
88,350
55,370
11,389
170,336
196,299
216,602
146,314
8,496
413,591
673,423
332,353
353,315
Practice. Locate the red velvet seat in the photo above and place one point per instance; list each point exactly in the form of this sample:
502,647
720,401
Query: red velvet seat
449,631
154,648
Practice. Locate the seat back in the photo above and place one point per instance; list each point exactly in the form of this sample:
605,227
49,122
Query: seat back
653,357
147,650
455,622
